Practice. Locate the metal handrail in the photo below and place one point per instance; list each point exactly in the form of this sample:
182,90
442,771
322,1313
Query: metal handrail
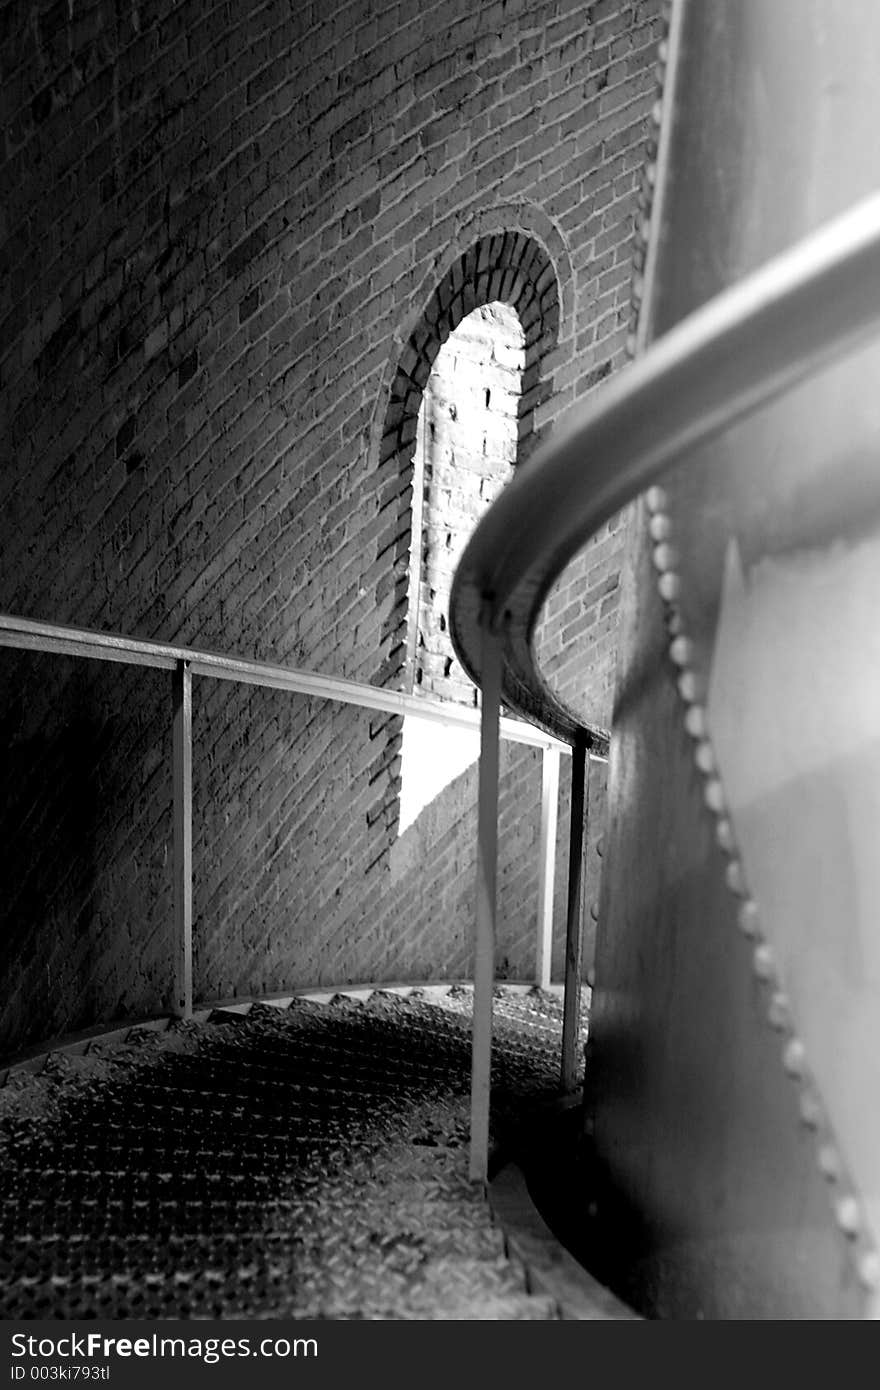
32,635
800,311
185,663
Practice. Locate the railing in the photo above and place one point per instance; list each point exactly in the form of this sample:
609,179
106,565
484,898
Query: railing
185,663
801,311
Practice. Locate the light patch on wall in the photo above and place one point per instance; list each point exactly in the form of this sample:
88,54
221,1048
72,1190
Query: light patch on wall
433,755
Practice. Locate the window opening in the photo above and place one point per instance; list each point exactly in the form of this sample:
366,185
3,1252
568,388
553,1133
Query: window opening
466,442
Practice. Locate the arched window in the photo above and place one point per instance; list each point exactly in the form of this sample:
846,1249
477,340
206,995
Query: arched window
503,294
466,447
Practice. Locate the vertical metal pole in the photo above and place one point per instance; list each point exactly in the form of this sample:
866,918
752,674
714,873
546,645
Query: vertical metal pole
484,942
574,928
547,864
182,755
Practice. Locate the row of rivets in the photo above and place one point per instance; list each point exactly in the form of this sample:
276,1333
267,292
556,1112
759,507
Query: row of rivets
690,686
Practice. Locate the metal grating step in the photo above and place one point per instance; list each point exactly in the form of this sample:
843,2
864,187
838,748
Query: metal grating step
292,1159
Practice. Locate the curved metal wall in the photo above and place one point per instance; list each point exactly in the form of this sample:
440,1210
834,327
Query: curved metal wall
734,1045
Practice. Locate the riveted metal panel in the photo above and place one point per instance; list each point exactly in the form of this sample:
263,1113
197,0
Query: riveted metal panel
719,1085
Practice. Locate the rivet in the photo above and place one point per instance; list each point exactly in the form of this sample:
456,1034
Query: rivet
663,51
713,795
811,1112
689,687
869,1269
681,649
657,112
695,721
846,1209
656,499
594,911
600,846
660,526
670,586
638,285
762,961
724,835
665,557
734,877
651,174
632,343
674,622
747,918
793,1058
704,755
829,1163
778,1013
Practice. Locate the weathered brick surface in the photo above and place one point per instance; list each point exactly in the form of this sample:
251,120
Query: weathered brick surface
86,815
224,227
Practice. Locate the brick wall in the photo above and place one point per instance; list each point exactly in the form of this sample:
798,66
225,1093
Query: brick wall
222,226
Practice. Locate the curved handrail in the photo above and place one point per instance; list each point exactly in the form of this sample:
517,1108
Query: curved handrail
800,311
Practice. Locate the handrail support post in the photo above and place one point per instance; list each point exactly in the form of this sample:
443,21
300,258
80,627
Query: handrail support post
547,865
486,905
182,998
574,930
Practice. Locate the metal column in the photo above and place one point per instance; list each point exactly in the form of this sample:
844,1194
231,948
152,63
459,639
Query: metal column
574,929
547,864
182,999
484,944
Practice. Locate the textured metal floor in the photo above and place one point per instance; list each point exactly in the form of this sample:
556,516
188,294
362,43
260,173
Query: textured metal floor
309,1162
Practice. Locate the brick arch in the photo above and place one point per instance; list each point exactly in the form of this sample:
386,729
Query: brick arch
511,267
508,266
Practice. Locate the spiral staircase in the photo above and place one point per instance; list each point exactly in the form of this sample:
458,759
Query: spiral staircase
727,1140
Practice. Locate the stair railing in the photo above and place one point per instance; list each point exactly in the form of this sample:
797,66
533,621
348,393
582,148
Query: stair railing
187,663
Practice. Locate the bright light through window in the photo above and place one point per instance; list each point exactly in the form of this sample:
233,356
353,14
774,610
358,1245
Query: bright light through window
432,757
465,452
